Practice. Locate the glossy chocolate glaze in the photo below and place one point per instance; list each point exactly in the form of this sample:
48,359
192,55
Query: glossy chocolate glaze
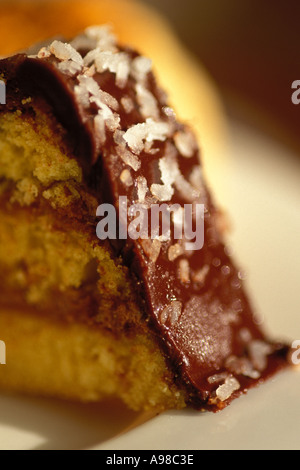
215,321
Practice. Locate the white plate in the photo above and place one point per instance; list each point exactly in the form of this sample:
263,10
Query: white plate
264,203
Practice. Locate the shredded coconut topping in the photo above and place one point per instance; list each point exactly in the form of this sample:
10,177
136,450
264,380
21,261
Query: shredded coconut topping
245,335
184,271
148,131
127,104
241,366
169,112
100,37
225,391
216,378
103,35
87,92
171,313
126,178
99,126
200,275
169,174
118,63
196,178
258,352
162,192
142,188
186,190
151,248
147,102
44,53
64,51
128,157
185,143
69,67
175,251
140,68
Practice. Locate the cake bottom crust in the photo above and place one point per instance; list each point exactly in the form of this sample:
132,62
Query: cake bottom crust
46,357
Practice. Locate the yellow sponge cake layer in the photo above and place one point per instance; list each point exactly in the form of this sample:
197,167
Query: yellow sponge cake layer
82,336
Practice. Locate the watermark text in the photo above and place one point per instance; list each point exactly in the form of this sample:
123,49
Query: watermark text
2,353
2,92
161,222
296,94
295,358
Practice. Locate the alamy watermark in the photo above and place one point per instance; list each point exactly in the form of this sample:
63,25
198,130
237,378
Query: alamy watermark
156,222
296,94
295,357
2,353
2,92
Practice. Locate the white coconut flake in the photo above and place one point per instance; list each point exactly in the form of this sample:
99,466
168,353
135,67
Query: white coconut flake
64,51
169,173
149,149
87,92
127,104
245,335
90,85
169,170
126,178
148,131
118,63
200,275
186,190
229,317
108,99
225,391
142,188
128,157
147,102
151,248
90,57
196,177
140,67
82,42
258,352
184,271
217,378
171,313
44,53
178,217
241,366
87,87
175,251
99,126
69,67
162,192
169,112
110,120
102,37
185,143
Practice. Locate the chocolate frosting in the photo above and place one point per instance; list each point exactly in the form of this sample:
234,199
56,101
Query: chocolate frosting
195,300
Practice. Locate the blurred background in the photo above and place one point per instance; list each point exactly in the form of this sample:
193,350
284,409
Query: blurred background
251,48
220,61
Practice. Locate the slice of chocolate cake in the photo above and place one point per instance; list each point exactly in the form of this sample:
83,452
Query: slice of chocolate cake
96,298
